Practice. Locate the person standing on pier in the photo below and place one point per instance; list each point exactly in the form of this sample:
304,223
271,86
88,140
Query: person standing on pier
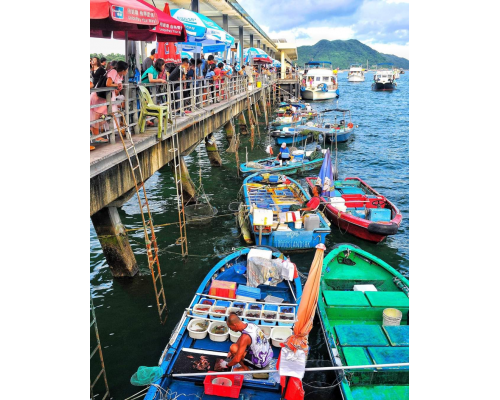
114,80
96,71
148,62
175,77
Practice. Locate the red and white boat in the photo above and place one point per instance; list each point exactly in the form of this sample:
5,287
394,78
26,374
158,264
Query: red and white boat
357,208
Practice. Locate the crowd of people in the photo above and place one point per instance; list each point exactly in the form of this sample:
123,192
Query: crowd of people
205,76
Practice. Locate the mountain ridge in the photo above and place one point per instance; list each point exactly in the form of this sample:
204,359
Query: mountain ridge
343,53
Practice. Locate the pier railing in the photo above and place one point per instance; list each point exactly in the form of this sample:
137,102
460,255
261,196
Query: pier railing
181,98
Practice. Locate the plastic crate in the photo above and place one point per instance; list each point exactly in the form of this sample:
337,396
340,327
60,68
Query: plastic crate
232,391
248,291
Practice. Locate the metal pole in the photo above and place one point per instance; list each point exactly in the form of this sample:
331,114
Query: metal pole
225,26
240,50
194,6
336,368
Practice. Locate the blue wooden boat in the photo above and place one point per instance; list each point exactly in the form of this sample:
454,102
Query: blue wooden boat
297,164
182,351
288,135
277,194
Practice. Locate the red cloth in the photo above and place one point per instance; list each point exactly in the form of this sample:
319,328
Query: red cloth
313,204
294,389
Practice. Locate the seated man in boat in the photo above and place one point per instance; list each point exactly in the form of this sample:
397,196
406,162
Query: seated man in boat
252,346
308,206
316,154
284,153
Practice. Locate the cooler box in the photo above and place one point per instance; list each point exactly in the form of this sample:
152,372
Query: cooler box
266,254
379,214
223,289
275,178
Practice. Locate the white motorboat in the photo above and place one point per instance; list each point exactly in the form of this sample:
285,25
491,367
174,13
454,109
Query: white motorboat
356,73
383,79
319,82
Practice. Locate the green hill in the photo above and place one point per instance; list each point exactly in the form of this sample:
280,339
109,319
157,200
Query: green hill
343,53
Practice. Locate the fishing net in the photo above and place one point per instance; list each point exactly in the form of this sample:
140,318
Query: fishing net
199,213
146,375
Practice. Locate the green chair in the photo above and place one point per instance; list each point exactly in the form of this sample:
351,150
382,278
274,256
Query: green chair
148,108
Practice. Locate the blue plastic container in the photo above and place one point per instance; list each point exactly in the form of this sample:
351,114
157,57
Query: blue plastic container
273,178
269,307
241,267
251,320
287,310
379,214
207,302
223,303
239,303
248,291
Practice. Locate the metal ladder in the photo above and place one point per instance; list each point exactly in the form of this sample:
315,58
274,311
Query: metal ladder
174,149
102,372
149,233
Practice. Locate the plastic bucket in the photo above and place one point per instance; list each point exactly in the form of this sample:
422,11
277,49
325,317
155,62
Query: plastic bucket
391,316
234,336
259,84
298,224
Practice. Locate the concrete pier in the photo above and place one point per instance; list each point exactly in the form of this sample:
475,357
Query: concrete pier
212,151
114,242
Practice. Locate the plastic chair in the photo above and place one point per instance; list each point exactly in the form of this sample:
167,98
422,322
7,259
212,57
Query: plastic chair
148,108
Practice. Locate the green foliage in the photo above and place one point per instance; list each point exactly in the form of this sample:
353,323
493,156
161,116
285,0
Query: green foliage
343,53
109,57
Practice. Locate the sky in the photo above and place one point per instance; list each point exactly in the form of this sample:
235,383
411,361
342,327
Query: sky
380,24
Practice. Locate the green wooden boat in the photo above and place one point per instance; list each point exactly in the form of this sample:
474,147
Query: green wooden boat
353,325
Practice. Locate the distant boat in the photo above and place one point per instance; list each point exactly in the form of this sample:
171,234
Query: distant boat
356,73
286,120
319,81
383,79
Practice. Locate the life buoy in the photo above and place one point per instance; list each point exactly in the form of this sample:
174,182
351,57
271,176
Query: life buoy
350,125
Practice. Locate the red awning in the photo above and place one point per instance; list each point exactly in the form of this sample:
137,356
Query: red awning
167,30
108,16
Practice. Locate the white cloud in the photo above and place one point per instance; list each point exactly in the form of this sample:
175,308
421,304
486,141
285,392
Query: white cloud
310,36
106,46
396,49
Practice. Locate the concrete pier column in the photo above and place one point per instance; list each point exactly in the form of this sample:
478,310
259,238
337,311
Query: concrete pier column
212,151
188,188
242,123
114,242
229,129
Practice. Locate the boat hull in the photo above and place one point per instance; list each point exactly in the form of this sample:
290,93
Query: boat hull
356,78
314,95
362,228
291,168
342,136
387,86
290,139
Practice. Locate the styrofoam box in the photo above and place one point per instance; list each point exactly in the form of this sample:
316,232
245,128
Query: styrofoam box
267,254
365,288
262,217
245,298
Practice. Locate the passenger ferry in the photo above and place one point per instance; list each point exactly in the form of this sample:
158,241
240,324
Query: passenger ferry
356,73
319,82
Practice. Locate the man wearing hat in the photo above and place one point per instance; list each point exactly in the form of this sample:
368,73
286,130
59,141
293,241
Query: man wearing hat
284,154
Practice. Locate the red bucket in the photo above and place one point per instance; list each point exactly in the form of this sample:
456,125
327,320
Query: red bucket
215,389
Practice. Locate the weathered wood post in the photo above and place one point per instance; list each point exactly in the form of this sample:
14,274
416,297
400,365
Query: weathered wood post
212,151
242,122
229,129
188,188
114,242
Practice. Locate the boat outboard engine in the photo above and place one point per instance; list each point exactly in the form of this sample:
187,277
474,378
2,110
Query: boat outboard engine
342,122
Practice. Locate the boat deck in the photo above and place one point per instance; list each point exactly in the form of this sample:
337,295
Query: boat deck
278,198
356,322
